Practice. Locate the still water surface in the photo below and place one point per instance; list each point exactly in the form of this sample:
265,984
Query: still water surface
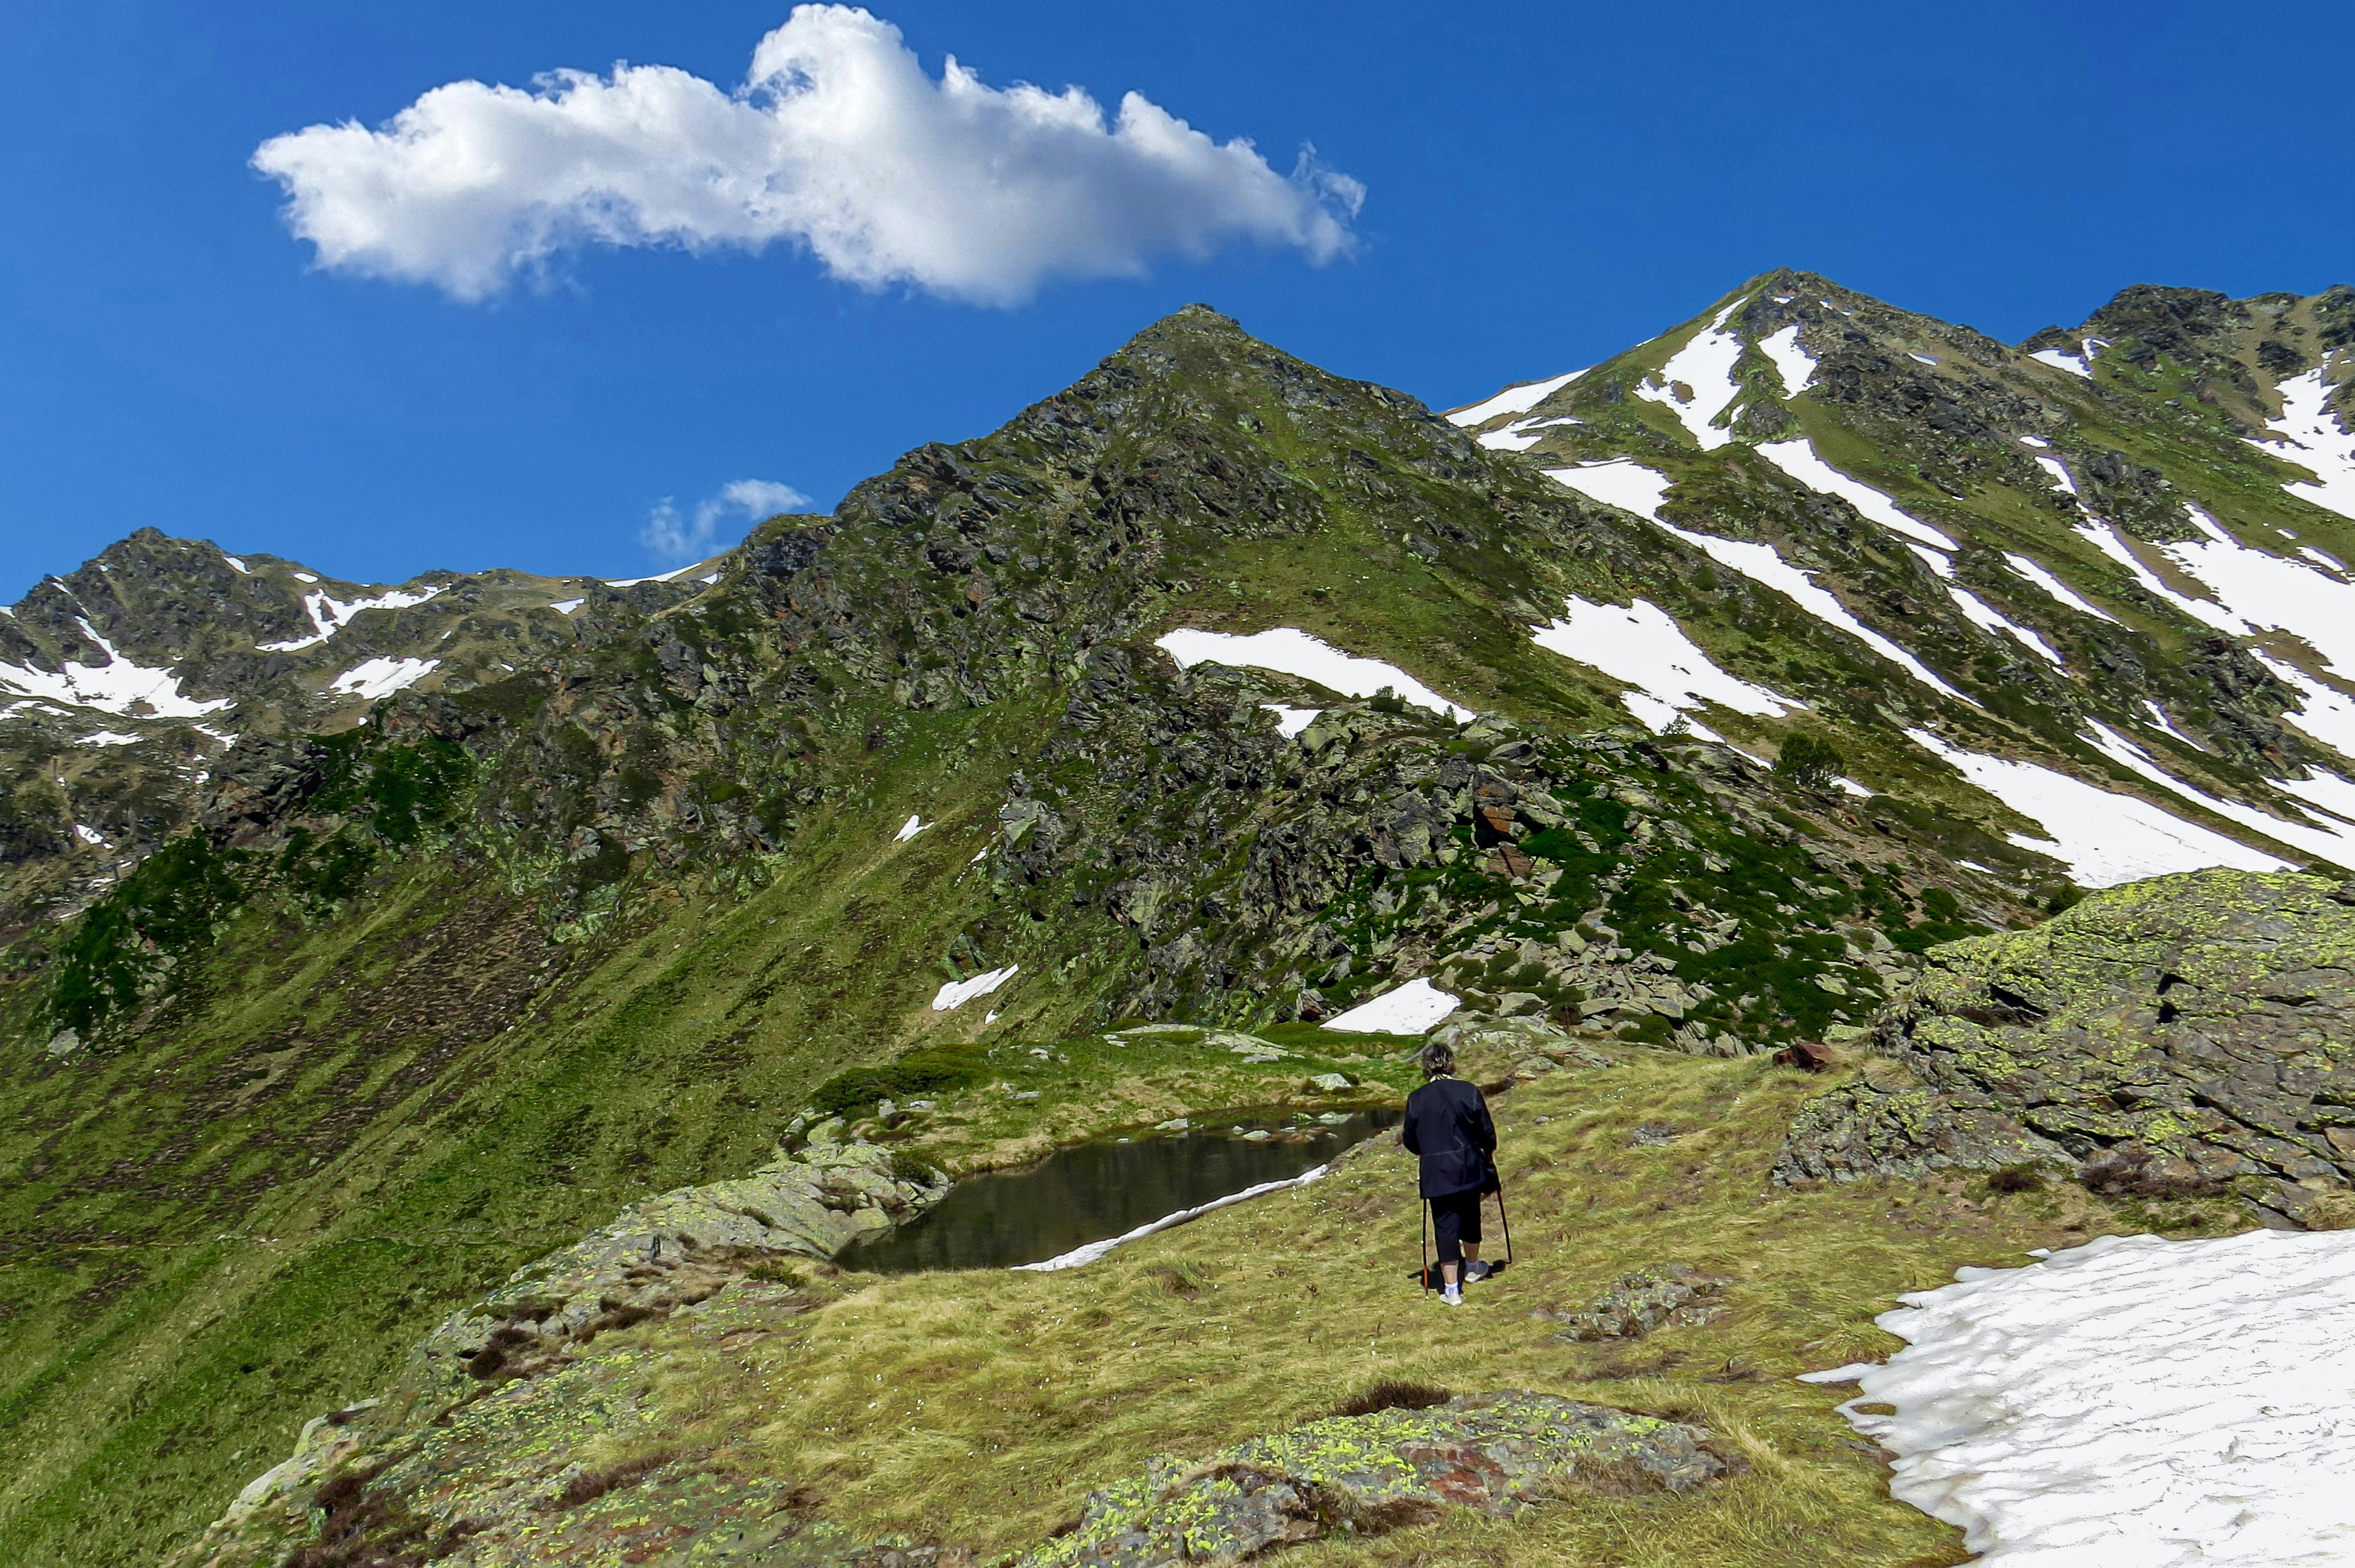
1092,1191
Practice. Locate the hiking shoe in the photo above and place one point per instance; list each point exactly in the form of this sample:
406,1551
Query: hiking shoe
1452,1297
1475,1272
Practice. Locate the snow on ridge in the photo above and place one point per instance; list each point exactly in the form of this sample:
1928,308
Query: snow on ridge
2166,1403
955,994
1642,645
658,577
330,615
1800,459
567,606
2104,838
2307,425
375,678
1291,652
2060,590
1512,400
1411,1008
1705,365
116,686
108,738
1794,363
1515,437
237,563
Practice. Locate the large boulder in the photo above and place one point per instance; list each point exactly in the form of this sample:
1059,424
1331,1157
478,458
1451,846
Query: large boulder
2187,1033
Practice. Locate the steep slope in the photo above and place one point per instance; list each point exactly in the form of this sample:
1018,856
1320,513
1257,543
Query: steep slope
2115,557
416,1000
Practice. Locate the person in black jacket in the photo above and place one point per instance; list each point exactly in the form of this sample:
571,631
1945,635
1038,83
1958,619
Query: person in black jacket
1447,1123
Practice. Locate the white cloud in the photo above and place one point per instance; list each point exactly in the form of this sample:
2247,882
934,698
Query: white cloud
676,536
838,141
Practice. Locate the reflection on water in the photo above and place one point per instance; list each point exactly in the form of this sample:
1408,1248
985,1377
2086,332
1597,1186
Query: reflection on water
1098,1190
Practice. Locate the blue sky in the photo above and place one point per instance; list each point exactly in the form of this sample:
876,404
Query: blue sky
1541,186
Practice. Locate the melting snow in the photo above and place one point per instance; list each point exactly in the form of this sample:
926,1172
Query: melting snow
1079,1257
88,835
1635,488
2164,1403
1295,652
235,562
2056,588
2057,472
1289,721
1512,400
1642,645
2308,425
1979,613
1513,438
2104,839
1705,365
1799,460
304,577
2061,360
1412,1009
109,737
957,993
2324,841
1630,486
658,577
2260,592
2034,441
911,828
1794,363
382,677
567,606
116,686
330,615
1938,563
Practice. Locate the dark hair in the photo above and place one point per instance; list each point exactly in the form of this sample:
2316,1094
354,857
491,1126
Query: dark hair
1437,1059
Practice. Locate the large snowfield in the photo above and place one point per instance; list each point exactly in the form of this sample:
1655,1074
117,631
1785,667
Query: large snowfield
2133,1403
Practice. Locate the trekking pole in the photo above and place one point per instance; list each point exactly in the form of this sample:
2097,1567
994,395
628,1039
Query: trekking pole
1425,1204
1507,1220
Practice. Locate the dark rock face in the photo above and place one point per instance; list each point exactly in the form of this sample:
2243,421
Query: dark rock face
2197,1030
1367,1474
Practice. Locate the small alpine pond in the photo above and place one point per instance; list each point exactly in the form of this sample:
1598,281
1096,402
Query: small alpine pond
1107,1188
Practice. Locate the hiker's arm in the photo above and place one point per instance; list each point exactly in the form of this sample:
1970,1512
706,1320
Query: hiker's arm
1484,1131
1407,1139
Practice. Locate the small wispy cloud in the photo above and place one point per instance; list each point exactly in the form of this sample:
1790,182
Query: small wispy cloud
673,535
837,141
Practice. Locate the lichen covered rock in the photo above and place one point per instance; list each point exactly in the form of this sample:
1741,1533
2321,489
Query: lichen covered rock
2201,1026
1367,1474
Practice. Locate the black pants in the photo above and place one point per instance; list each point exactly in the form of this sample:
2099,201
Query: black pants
1456,1220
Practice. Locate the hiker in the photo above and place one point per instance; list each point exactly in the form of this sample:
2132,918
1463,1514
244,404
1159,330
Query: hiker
1447,1123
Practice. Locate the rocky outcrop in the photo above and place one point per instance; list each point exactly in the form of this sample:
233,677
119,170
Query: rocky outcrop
1367,1474
1673,1296
2200,1028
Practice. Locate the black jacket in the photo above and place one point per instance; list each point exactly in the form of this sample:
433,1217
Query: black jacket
1447,1123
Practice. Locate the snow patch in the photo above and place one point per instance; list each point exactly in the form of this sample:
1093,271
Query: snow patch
1799,460
1512,400
658,577
1411,1008
2057,472
2059,359
2060,590
2324,841
304,577
1642,645
1794,363
2034,441
1290,652
88,835
382,677
2321,445
1705,367
1628,485
1923,357
2104,838
1289,721
330,615
567,606
2164,1403
236,563
1981,614
1079,1257
108,738
957,993
117,686
911,828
